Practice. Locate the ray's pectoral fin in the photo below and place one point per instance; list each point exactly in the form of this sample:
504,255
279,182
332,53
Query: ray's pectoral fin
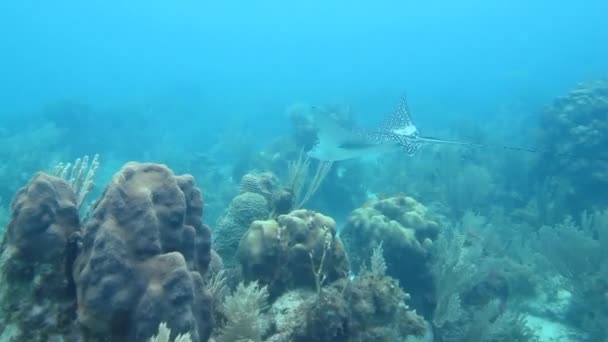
337,143
399,127
410,145
400,120
332,140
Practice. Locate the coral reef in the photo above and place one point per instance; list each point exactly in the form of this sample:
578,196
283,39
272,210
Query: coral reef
577,254
138,261
370,307
406,229
573,142
164,335
343,189
38,249
286,314
143,257
243,311
480,283
143,253
455,178
300,249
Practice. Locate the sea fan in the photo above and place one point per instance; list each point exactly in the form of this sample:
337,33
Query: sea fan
243,310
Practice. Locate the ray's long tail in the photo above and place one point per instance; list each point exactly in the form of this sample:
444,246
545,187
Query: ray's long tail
434,140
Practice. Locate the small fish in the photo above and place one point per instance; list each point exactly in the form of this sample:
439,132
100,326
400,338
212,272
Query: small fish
398,133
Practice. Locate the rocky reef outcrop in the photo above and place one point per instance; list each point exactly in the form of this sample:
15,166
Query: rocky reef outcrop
297,250
143,257
38,250
143,253
369,307
137,262
260,197
406,229
574,159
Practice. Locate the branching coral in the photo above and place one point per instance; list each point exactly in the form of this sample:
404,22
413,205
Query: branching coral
472,295
164,335
578,254
299,184
456,268
79,175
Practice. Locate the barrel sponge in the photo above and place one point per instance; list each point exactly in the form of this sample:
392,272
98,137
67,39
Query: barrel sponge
284,253
144,252
37,252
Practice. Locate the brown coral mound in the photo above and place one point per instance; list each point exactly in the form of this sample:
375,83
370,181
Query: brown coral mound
371,307
143,255
37,253
44,216
406,229
401,223
286,252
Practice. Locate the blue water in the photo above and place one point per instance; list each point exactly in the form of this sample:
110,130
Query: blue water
253,59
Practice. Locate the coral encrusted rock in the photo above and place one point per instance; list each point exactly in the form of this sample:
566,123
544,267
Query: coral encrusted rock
285,253
144,252
574,157
36,295
406,229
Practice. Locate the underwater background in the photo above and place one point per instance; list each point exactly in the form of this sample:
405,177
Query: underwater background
262,243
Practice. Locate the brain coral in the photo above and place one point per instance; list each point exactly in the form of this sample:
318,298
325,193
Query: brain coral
405,228
244,209
573,141
263,183
283,253
143,255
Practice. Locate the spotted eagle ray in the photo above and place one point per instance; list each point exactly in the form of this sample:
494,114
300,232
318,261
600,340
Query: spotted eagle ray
398,133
